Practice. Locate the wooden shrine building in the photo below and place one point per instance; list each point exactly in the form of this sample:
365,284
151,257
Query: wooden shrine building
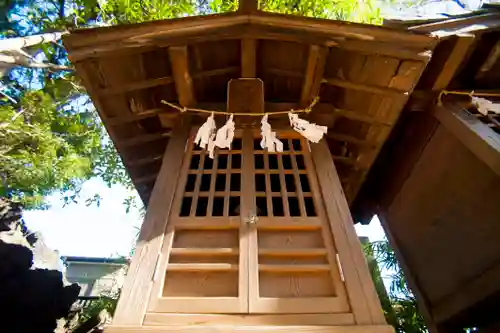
255,241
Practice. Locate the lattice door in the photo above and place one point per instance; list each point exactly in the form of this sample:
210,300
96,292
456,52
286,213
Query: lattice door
204,262
247,234
293,264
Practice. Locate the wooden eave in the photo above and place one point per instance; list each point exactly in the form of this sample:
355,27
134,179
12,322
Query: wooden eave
363,75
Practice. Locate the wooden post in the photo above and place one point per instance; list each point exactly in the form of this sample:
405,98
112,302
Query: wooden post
248,6
248,58
135,294
360,289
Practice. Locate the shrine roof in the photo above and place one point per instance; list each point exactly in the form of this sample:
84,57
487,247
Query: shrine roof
363,75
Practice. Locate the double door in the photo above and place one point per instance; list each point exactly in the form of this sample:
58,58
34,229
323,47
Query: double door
248,234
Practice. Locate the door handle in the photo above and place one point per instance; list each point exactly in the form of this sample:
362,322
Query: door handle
252,218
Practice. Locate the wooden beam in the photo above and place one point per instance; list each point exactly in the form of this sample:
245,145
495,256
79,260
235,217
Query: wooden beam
134,296
251,329
456,26
450,67
366,88
82,45
359,285
182,77
316,61
248,6
144,84
323,319
139,139
480,139
248,58
384,49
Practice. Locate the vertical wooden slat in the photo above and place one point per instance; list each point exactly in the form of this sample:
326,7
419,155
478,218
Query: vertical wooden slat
269,194
197,185
137,287
227,189
362,295
298,185
284,194
213,175
185,171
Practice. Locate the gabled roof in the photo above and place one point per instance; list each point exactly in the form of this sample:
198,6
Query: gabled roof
363,75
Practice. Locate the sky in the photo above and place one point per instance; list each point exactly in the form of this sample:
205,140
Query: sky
107,230
90,231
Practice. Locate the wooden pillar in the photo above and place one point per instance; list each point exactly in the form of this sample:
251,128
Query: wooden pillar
360,289
248,6
135,294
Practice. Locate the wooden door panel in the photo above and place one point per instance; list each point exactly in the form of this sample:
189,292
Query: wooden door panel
203,266
293,265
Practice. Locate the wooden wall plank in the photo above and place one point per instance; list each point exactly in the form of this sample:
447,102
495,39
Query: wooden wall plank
136,290
422,301
360,289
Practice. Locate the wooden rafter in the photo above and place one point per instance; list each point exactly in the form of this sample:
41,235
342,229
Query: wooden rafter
248,58
182,77
450,67
316,62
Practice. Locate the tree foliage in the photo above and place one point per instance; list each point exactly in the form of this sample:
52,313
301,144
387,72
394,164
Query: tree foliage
399,303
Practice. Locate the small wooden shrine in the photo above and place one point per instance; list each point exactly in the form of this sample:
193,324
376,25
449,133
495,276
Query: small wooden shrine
249,240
